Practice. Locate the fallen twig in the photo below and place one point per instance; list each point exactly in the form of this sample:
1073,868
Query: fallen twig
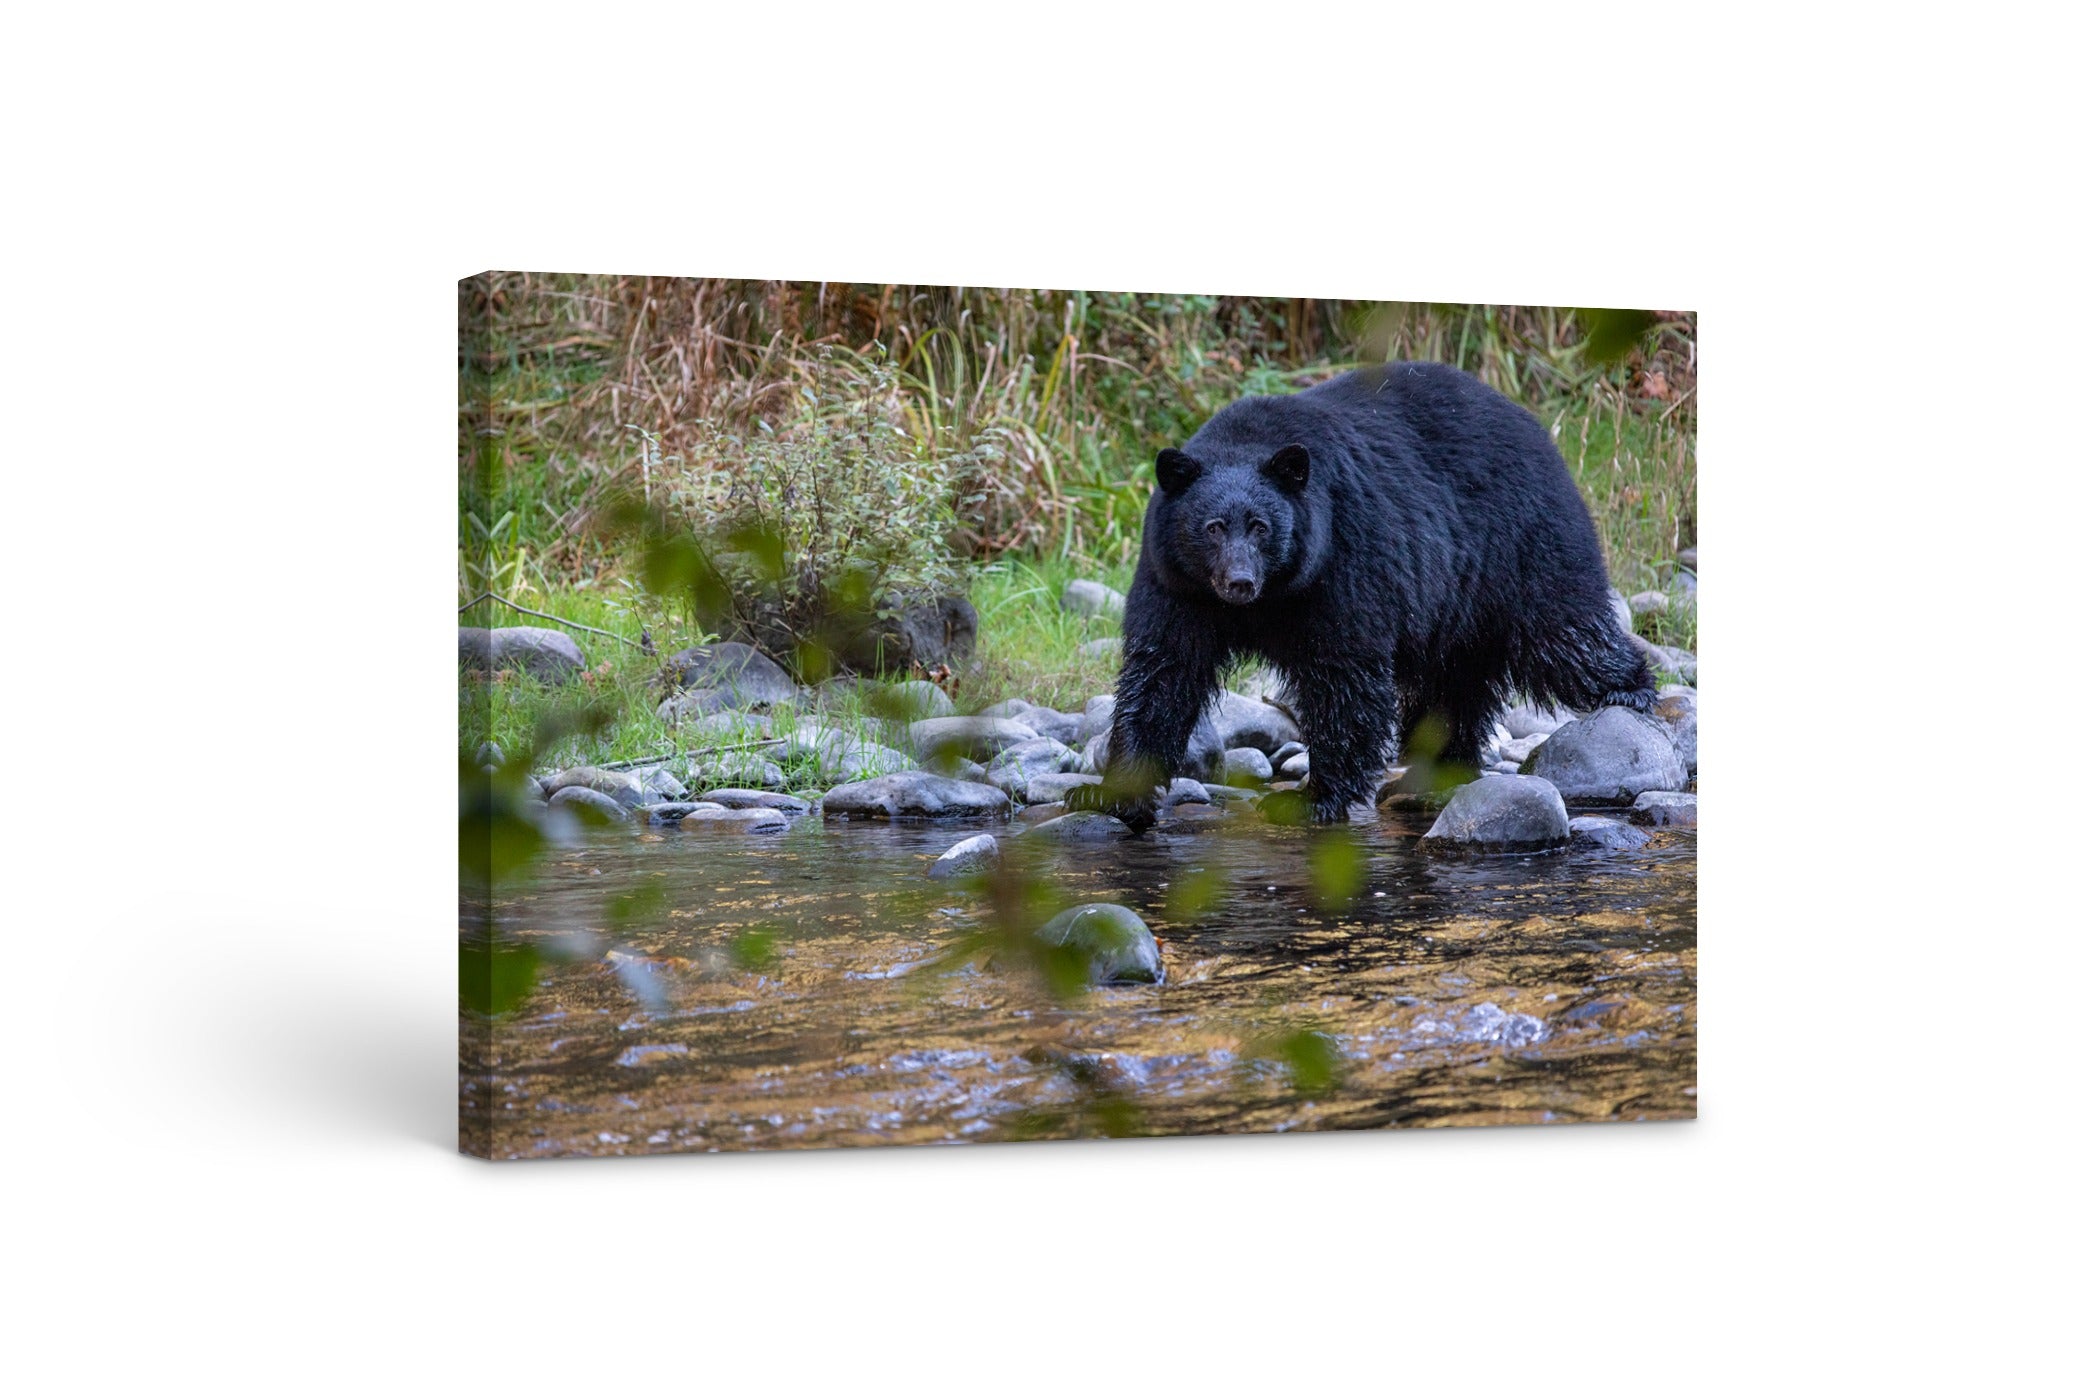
625,764
578,626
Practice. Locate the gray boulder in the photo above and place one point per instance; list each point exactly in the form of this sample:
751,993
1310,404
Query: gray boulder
1298,765
1605,834
1517,750
1100,714
590,805
967,736
1117,944
742,798
901,635
744,770
1186,790
540,652
1666,809
729,676
1245,767
1015,768
1679,713
971,854
1609,758
757,821
915,795
1524,720
1648,602
1501,813
1089,599
1243,723
627,789
1051,724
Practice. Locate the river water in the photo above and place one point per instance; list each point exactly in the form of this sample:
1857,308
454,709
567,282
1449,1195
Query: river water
702,991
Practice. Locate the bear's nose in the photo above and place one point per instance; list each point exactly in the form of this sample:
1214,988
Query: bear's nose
1239,588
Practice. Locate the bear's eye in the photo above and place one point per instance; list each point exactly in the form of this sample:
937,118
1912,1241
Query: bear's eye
1257,528
1216,529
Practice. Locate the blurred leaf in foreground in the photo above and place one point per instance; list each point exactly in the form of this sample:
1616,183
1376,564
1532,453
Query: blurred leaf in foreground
496,975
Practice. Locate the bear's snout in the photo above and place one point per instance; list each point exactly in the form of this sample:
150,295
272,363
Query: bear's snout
1239,586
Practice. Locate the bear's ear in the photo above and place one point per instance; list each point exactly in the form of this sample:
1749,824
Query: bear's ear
1289,467
1175,469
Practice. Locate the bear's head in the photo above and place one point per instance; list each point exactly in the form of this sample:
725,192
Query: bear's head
1237,529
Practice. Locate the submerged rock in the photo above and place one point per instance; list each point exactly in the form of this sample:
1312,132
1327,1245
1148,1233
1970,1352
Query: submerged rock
1666,809
970,854
757,820
750,797
1117,944
915,795
1605,834
1609,758
1079,826
591,805
540,652
1245,767
1501,813
671,813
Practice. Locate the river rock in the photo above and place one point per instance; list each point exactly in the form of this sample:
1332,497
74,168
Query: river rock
670,813
1089,599
1668,661
1517,750
971,854
1013,769
544,654
1609,758
734,797
660,782
758,821
967,736
1245,767
1051,724
1056,787
901,635
1679,713
1666,809
1298,765
841,756
1287,752
588,803
1118,945
1186,790
747,770
1605,834
1524,720
1243,723
1648,601
1080,826
625,788
915,795
1501,813
725,676
1100,714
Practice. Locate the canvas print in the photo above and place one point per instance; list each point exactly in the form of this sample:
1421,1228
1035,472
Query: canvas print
899,715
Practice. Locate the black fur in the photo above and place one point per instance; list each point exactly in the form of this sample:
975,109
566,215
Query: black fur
1399,543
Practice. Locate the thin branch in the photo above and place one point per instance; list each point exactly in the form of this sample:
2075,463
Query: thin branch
625,764
578,626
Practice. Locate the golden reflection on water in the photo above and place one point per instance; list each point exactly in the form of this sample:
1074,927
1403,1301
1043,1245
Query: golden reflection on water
1554,988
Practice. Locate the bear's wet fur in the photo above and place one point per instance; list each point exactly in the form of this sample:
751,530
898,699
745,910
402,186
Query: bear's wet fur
1403,544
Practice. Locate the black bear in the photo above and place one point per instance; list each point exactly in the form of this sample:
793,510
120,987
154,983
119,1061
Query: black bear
1403,544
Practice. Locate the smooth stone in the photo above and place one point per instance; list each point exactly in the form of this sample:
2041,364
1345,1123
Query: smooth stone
1666,809
1015,768
1523,721
1186,790
672,813
737,676
1051,724
1609,758
970,854
736,770
585,800
1101,647
1668,661
1501,814
751,797
660,781
1242,767
967,736
1056,787
1118,945
1100,713
540,652
842,756
1647,602
1606,834
1506,766
1298,765
1080,826
1621,610
1679,713
757,820
915,795
1242,723
627,789
1287,752
1517,750
1090,599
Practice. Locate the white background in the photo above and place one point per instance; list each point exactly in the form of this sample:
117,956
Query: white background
229,831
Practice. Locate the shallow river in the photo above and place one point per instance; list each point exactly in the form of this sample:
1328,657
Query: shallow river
1557,988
